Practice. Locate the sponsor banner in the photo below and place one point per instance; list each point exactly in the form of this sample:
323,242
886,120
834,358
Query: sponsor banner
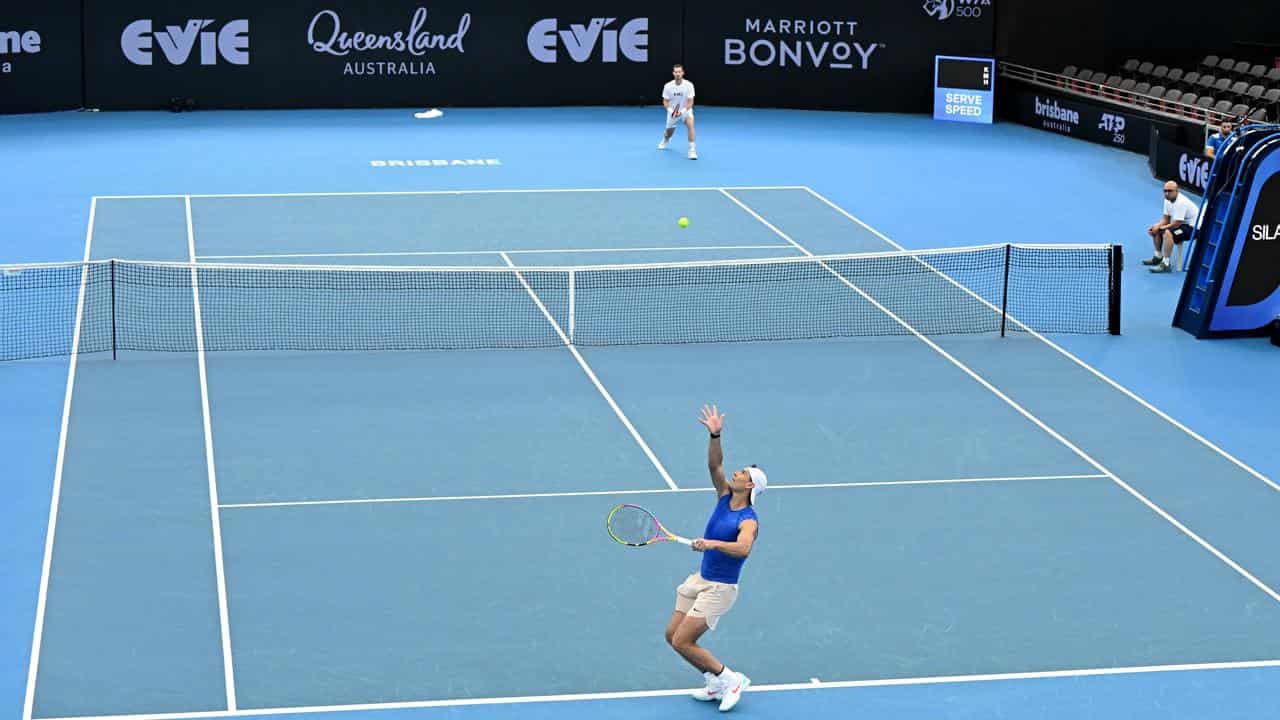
828,54
1189,167
40,65
1068,115
392,53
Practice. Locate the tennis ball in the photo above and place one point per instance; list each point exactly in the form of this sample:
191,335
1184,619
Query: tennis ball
683,222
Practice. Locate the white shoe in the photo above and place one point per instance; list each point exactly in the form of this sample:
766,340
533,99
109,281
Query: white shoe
662,145
712,691
732,691
693,154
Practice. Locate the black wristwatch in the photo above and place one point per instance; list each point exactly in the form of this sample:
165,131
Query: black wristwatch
715,435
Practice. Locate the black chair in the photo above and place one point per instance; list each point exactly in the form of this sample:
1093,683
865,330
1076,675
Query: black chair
1205,84
1130,67
1256,73
1239,109
1210,63
1160,73
1242,69
1239,89
1205,104
1254,93
1226,66
1271,98
1222,86
1155,96
1128,85
1174,77
1111,87
1259,115
1273,76
1223,106
1145,69
1142,88
1070,71
1190,79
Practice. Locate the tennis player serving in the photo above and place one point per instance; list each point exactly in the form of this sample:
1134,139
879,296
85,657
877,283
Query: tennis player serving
708,594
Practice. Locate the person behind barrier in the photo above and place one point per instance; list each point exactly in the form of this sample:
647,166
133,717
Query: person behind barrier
1215,140
1175,226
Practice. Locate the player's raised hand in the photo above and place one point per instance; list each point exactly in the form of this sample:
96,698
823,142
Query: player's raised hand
712,419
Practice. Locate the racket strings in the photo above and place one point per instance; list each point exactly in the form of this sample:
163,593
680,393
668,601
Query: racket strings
633,525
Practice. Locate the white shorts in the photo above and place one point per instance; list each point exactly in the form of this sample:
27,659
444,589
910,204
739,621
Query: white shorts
673,121
699,597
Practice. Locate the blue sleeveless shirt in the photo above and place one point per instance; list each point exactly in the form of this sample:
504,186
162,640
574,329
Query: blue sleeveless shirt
723,525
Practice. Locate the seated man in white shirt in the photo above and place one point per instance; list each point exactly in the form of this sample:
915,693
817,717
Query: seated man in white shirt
677,100
1175,226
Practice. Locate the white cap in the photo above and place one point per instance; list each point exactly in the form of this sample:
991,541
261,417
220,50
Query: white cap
760,480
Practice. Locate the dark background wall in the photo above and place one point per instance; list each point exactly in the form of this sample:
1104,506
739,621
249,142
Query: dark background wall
1097,34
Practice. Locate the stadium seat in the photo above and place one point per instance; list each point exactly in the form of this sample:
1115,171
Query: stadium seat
1111,88
1223,106
1130,67
1128,85
1205,104
1259,115
1257,72
1226,66
1174,77
1083,79
1190,79
1254,93
1205,84
1239,89
1160,73
1239,109
1273,76
1242,68
1272,99
1145,69
1210,62
1222,86
1156,96
1070,71
1142,88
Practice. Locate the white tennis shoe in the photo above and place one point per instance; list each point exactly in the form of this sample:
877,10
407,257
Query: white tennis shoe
663,145
732,691
712,691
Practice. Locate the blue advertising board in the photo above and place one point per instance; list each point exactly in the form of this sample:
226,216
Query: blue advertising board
964,89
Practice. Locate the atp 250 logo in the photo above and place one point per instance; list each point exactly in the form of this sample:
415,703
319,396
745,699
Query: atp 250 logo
948,9
230,42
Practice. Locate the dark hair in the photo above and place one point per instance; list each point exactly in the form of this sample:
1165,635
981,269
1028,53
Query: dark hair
678,65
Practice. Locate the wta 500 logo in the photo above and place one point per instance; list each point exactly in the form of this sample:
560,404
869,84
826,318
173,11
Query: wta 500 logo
230,42
947,9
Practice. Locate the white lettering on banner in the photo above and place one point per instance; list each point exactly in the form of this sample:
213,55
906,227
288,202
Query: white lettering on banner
1193,170
382,67
1266,232
484,162
632,39
800,27
325,35
837,54
231,42
13,42
966,104
947,9
1051,110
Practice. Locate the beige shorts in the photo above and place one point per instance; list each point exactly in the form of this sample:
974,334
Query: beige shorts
702,598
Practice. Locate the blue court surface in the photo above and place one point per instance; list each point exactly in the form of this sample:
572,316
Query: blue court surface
961,526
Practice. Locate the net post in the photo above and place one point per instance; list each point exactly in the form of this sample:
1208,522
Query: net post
572,299
1004,294
113,309
1115,271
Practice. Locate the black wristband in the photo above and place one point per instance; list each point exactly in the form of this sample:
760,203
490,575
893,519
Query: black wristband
715,435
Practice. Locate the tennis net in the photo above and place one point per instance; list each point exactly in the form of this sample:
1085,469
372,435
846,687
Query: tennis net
150,306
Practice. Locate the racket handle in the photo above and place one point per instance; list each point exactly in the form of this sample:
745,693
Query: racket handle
682,540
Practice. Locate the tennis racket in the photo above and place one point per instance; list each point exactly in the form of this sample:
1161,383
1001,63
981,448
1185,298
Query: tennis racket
634,526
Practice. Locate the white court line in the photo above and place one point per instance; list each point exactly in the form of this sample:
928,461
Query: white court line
591,374
635,694
37,636
215,514
422,253
1028,415
1098,373
510,191
659,491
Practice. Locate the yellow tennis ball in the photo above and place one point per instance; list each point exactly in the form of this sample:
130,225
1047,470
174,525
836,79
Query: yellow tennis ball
683,222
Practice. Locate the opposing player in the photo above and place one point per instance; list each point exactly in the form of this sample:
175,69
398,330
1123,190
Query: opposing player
705,596
677,100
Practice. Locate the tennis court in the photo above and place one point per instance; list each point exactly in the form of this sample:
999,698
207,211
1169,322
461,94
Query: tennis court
295,530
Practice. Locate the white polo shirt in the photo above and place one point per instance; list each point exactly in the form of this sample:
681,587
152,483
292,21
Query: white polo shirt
678,96
1182,209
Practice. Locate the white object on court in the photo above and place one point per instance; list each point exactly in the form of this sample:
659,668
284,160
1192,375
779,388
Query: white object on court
428,114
